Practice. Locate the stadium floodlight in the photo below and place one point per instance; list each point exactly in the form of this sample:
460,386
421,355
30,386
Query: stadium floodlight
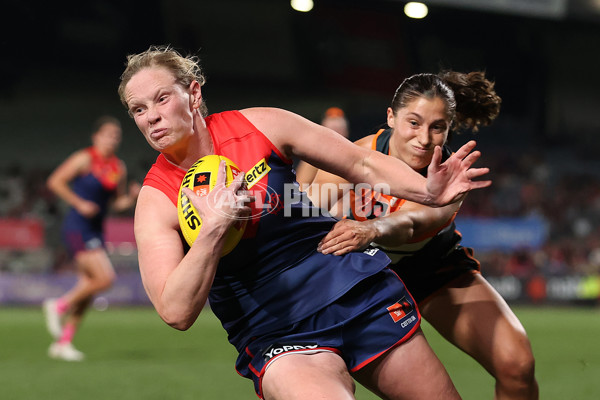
302,5
415,10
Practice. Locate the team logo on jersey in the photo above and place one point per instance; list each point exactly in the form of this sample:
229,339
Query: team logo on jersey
257,172
279,348
400,310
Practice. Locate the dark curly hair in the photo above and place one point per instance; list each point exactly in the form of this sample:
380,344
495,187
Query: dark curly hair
471,101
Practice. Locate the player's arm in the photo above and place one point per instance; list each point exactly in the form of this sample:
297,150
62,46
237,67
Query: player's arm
327,189
305,173
126,193
176,282
410,223
296,136
60,179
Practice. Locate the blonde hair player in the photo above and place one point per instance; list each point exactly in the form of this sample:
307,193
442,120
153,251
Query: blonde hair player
303,323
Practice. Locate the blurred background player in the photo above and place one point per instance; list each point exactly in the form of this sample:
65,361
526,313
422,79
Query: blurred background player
423,243
90,180
334,119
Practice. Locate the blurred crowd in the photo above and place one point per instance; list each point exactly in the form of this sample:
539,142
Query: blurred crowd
565,193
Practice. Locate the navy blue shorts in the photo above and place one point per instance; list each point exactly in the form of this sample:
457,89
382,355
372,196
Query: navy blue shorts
76,241
374,316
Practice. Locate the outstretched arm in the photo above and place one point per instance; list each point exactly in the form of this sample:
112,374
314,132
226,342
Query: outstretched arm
327,150
411,222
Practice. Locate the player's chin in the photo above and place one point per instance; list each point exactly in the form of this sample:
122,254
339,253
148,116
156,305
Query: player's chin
419,163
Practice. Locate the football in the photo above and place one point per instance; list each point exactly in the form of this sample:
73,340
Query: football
202,178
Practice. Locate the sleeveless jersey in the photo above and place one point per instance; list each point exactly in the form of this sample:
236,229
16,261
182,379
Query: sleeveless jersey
372,205
98,186
274,277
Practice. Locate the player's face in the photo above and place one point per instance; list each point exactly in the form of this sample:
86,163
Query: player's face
337,124
107,139
417,129
162,109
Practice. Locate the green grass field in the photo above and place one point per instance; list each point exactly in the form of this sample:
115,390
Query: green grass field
131,354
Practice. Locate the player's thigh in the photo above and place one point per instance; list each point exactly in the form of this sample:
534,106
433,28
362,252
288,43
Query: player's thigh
308,376
473,316
95,264
408,371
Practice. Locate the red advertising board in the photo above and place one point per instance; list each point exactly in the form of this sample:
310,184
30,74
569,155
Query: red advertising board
21,234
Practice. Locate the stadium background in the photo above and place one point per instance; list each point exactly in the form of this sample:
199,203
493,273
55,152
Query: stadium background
535,230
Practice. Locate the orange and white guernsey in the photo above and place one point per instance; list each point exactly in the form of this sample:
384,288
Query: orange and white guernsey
370,204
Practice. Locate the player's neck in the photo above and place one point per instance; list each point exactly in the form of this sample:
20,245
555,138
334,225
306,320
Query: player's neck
189,151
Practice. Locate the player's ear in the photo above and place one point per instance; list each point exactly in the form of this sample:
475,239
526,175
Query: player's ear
195,94
390,117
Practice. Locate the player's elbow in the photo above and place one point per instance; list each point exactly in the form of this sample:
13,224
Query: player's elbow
52,183
180,325
178,320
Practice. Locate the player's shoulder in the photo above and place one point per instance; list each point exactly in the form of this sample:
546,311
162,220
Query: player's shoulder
153,205
365,141
264,113
80,160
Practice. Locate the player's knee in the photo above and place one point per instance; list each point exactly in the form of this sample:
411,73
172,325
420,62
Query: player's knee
105,281
516,367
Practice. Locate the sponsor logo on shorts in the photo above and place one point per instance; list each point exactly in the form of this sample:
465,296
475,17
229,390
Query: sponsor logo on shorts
279,348
402,310
410,319
371,251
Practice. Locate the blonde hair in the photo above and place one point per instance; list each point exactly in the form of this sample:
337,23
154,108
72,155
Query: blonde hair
185,69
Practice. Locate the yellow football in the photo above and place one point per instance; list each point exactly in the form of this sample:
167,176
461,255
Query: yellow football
201,178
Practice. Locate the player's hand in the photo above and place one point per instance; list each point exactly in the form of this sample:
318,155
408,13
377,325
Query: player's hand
134,190
87,208
447,182
224,205
346,236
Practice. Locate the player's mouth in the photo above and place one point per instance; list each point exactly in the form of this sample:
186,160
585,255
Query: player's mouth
421,150
158,133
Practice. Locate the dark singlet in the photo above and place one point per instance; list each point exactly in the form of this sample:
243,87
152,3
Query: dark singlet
98,186
427,263
274,277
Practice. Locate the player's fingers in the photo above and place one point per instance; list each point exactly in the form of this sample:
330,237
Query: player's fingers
245,197
340,242
330,240
188,192
222,174
477,172
343,251
479,184
471,158
436,159
465,149
239,183
336,249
